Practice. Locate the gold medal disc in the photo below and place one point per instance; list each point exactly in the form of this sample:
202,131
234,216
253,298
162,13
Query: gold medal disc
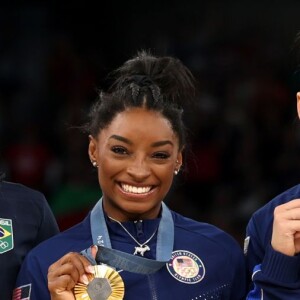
106,283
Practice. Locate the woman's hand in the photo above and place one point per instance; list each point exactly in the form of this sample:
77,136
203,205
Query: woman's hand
65,273
286,228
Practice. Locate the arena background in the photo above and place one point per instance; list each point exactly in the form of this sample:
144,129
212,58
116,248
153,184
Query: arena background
244,133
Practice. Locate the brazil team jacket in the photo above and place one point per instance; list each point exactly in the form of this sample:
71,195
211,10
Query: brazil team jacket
275,276
25,221
206,262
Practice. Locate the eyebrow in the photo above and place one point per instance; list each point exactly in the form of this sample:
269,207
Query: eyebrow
120,138
127,141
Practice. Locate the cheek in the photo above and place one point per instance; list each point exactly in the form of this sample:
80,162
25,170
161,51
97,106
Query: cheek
165,174
108,168
166,180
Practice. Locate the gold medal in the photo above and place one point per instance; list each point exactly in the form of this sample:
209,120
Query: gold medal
105,284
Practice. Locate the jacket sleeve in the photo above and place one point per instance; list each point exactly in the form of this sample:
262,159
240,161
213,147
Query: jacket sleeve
274,275
32,280
238,288
48,226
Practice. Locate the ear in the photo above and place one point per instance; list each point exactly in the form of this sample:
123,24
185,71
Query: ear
179,160
93,149
298,104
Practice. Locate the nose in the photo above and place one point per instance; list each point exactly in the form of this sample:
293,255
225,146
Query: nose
138,169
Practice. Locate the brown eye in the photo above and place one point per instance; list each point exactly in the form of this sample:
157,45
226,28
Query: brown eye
119,150
161,155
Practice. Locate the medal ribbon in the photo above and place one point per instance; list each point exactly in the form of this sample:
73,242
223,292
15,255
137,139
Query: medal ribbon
123,260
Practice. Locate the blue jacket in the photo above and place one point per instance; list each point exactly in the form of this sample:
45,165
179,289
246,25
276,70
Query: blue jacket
214,258
275,276
25,221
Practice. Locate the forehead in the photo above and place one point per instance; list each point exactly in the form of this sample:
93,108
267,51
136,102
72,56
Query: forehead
141,123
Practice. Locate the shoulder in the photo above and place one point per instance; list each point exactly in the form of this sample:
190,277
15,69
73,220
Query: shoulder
204,232
268,209
17,199
19,192
74,239
24,205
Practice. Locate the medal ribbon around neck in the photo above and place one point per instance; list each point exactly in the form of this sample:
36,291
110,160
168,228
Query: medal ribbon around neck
122,260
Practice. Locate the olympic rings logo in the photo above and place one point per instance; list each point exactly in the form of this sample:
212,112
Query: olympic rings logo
3,245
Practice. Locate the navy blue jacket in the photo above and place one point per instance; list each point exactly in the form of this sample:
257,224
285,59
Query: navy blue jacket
275,276
25,221
211,263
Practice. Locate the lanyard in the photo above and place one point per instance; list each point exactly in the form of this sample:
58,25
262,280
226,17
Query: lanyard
129,262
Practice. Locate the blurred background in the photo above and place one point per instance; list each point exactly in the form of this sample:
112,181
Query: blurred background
244,133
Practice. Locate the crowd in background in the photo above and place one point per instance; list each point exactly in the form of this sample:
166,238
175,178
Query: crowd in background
244,134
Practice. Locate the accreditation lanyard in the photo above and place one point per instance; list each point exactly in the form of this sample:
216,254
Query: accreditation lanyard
123,260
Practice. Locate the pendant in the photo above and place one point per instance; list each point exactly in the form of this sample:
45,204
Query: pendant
141,250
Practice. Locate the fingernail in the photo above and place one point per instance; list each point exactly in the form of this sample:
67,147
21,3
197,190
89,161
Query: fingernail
84,279
90,269
95,247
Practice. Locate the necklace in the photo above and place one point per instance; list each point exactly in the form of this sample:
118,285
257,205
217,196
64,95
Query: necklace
142,248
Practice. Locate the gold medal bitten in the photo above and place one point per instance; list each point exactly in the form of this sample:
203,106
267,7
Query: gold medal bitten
102,271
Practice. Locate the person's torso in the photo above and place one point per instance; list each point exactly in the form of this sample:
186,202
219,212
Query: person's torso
200,266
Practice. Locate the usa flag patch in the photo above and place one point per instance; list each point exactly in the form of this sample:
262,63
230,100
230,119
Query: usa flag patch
22,292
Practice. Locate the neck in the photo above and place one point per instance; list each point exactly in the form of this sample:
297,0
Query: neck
123,216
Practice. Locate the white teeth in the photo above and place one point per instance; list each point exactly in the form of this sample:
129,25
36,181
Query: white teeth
135,189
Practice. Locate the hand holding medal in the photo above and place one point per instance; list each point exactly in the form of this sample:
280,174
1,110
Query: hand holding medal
72,277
